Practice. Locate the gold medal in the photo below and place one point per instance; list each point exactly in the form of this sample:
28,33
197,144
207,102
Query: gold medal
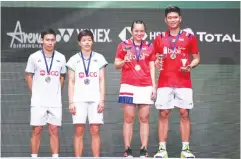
173,56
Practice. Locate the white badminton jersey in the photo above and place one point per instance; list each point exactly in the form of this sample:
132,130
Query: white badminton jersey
46,93
91,91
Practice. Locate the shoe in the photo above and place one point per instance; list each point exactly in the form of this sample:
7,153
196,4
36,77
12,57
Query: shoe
128,152
161,152
143,152
186,153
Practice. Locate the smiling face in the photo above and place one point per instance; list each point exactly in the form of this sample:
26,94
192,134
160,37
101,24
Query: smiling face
173,20
138,32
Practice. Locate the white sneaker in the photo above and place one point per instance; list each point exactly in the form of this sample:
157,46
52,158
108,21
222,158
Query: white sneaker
187,154
161,153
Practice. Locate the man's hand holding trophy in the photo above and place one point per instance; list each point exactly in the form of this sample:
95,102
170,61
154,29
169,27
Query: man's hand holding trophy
159,61
184,66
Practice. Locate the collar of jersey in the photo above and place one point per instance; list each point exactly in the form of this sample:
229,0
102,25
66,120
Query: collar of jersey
88,57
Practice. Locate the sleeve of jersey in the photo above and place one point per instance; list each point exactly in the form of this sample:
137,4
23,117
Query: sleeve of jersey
153,54
103,62
71,64
30,65
155,47
120,54
194,45
63,68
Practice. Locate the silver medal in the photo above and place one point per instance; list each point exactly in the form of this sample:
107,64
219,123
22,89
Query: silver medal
87,81
47,79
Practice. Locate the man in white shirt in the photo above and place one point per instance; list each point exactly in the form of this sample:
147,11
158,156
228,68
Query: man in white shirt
45,74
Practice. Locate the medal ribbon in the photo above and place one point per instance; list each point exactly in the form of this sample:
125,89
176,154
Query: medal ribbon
88,67
46,64
170,41
138,53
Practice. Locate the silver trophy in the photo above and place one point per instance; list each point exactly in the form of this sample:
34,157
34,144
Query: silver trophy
160,58
128,53
183,61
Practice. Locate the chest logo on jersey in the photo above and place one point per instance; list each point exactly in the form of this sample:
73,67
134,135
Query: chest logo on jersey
177,50
181,39
51,73
95,60
91,74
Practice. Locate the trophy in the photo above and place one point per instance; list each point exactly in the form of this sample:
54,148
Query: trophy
160,58
127,49
183,61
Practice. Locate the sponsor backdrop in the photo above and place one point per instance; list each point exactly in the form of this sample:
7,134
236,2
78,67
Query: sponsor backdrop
216,82
219,37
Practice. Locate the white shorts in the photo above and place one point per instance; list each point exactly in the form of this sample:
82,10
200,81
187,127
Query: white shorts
135,94
87,109
169,97
42,115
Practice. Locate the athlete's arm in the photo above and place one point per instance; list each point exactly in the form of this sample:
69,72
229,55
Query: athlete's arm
102,84
29,80
195,52
157,63
195,61
153,73
120,57
63,72
71,76
119,63
29,72
62,78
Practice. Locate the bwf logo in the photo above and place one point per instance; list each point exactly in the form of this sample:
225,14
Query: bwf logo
65,34
126,34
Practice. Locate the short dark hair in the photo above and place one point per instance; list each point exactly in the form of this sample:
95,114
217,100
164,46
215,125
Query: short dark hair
173,9
85,32
48,31
137,22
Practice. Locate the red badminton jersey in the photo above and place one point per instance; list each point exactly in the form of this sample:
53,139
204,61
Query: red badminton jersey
130,74
182,47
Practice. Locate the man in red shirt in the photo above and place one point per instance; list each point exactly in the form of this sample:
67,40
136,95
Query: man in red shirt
173,49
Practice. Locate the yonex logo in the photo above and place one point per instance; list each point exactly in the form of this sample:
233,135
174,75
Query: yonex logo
65,34
126,34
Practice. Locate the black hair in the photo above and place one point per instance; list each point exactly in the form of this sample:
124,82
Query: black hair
137,22
173,9
48,31
85,32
